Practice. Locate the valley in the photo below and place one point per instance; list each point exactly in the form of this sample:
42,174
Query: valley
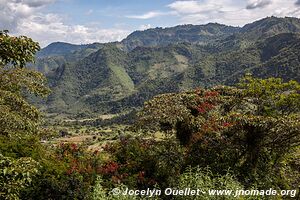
207,107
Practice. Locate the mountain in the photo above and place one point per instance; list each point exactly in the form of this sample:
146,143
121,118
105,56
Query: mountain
60,53
59,48
101,75
196,34
270,26
119,76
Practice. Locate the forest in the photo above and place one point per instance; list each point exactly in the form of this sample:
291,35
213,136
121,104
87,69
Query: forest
240,137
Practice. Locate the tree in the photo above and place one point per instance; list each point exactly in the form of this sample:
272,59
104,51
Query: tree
248,128
18,118
16,50
15,174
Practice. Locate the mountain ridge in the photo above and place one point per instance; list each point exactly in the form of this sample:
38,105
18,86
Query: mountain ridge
117,76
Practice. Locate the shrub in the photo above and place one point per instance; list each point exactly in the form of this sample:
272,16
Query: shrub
143,163
67,172
99,193
205,180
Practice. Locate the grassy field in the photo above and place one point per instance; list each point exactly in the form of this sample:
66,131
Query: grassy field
94,137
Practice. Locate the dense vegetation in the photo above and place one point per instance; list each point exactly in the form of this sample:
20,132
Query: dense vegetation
245,136
116,77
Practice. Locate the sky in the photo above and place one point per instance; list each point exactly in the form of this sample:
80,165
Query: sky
88,21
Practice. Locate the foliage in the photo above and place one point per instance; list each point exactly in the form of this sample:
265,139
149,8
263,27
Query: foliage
205,180
272,96
99,193
247,129
19,120
67,172
16,50
15,174
21,146
141,163
17,115
291,168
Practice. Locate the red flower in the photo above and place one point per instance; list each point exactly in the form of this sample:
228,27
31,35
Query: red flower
69,171
109,168
211,94
201,110
74,147
204,107
141,176
227,124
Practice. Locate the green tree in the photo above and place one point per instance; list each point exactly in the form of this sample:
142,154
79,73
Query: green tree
248,128
17,115
18,118
15,175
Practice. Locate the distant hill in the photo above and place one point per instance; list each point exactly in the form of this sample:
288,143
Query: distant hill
59,53
270,26
196,34
113,77
58,49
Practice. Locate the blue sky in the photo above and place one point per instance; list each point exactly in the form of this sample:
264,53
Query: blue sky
87,21
116,13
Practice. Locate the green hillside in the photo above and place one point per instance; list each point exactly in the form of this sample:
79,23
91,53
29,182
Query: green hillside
113,77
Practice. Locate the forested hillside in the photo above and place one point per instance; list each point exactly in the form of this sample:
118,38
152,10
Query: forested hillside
109,78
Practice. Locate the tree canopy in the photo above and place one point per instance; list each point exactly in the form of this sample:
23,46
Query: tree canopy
18,118
248,128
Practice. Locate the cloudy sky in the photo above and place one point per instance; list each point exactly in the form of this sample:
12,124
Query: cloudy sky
87,21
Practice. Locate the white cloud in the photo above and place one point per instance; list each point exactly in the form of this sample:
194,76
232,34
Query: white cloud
148,15
253,4
35,3
13,12
231,12
189,7
25,17
50,28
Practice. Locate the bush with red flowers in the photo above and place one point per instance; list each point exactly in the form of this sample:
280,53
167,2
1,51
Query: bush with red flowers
68,172
143,163
249,128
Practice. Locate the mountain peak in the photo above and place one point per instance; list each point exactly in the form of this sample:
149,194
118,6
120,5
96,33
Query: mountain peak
196,34
272,25
59,48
